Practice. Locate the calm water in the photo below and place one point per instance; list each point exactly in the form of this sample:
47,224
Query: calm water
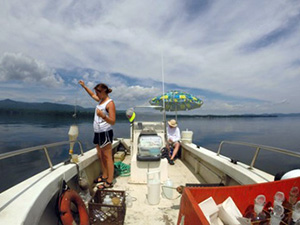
18,133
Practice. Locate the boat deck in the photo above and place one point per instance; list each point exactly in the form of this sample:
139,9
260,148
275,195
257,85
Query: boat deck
166,212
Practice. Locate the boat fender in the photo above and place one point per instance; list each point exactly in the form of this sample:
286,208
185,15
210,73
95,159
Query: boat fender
68,197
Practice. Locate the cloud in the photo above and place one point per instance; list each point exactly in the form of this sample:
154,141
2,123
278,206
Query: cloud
60,99
248,50
134,93
19,67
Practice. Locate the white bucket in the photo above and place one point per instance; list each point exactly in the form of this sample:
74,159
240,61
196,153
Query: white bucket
187,136
153,183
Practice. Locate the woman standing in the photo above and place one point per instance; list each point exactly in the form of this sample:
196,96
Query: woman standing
105,117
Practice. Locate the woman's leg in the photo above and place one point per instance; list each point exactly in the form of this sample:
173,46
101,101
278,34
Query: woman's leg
102,162
175,150
108,162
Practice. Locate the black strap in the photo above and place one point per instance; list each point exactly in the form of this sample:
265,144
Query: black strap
63,188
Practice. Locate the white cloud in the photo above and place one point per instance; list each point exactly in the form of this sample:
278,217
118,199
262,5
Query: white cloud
18,67
206,44
134,93
60,99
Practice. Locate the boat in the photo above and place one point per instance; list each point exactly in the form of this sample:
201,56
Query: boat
34,201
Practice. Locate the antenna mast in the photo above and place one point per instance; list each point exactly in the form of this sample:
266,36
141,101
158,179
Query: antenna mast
163,94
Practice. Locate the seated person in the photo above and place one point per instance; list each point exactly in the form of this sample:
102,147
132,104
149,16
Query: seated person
173,135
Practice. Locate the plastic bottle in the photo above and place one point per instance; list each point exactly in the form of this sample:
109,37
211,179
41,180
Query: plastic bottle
296,214
128,201
168,189
258,214
278,198
85,196
107,200
293,195
277,214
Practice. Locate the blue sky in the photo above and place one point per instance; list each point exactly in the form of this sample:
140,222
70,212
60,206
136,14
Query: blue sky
237,56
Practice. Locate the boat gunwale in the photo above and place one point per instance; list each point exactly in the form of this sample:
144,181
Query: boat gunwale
30,197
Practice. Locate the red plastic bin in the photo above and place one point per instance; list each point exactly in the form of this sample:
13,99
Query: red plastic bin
242,195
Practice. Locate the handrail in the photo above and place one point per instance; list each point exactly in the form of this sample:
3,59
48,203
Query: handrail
258,148
40,147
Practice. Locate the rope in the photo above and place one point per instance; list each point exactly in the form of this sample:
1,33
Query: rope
122,169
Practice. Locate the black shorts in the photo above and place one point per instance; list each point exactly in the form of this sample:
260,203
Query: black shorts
104,138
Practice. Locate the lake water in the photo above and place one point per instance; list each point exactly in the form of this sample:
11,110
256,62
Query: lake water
17,133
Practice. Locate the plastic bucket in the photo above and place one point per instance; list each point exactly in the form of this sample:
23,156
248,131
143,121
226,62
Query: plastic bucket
187,136
153,183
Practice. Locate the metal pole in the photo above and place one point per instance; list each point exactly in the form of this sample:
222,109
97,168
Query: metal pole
254,157
81,150
176,112
220,147
164,104
48,158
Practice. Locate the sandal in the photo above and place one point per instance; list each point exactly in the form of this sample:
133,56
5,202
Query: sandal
100,180
106,184
171,162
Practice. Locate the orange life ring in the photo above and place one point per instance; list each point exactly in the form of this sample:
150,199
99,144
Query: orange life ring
65,208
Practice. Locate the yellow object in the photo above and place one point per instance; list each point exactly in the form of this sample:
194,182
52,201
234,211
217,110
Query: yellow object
130,114
119,156
71,151
131,119
115,200
75,158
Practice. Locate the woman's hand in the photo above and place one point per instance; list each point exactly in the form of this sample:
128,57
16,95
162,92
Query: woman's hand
81,82
100,114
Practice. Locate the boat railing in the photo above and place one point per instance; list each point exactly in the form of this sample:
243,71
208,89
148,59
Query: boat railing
38,148
258,148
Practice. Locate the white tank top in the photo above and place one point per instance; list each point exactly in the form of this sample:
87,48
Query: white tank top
101,125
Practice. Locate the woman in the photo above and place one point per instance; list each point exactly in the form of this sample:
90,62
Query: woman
105,117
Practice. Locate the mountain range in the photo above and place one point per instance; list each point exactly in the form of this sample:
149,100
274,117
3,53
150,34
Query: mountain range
10,107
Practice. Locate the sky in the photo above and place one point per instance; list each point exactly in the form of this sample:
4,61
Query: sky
238,56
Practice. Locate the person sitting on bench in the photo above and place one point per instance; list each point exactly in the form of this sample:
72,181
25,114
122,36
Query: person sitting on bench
173,135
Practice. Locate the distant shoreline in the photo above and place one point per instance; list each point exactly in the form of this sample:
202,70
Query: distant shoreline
122,114
12,108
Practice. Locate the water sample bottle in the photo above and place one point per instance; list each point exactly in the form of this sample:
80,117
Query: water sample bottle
259,204
128,200
292,199
85,196
294,194
278,198
168,189
277,214
296,214
107,200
